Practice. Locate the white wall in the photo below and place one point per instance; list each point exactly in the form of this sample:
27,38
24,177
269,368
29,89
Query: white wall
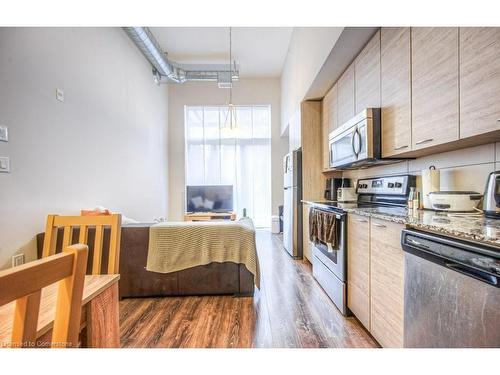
253,91
308,50
105,145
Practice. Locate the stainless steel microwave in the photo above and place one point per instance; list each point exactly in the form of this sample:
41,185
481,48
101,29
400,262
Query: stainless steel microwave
357,143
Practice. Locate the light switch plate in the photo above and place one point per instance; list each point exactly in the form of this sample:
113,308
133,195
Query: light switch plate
17,260
4,133
60,95
4,164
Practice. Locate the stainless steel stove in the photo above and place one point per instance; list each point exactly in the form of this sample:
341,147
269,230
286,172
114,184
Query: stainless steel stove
387,195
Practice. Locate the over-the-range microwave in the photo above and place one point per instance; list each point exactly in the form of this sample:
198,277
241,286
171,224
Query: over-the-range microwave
357,143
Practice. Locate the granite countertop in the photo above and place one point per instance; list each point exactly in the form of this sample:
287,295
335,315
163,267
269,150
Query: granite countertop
468,227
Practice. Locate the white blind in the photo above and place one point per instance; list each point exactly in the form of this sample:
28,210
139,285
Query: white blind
240,157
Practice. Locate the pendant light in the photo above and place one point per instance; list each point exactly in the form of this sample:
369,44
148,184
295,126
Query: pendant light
230,120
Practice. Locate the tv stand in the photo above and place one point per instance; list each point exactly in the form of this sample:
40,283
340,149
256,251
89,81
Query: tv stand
208,216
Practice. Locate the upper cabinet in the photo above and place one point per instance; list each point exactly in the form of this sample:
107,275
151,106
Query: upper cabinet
435,93
395,63
345,96
333,108
329,122
367,76
438,89
479,80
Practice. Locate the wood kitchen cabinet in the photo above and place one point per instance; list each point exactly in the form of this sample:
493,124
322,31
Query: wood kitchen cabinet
329,122
306,243
479,80
367,76
386,283
358,267
345,96
395,64
435,92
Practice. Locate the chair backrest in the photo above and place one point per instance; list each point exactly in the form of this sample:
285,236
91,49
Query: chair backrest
54,222
24,284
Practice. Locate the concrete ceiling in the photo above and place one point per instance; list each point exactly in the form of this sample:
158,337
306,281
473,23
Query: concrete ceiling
258,51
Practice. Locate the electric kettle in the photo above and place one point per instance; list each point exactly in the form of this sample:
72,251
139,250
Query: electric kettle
491,199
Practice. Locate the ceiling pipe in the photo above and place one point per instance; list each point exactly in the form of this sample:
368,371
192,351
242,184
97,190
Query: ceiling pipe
145,41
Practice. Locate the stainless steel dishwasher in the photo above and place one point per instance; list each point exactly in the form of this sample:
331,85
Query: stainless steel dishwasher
452,292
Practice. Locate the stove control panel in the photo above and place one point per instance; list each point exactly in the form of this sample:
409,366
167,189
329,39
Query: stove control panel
391,185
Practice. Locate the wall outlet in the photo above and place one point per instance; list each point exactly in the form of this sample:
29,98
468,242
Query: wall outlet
4,133
60,95
17,260
4,164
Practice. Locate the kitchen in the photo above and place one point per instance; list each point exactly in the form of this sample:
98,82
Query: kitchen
398,209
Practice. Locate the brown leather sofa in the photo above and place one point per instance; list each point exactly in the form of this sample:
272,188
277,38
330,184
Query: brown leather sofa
135,281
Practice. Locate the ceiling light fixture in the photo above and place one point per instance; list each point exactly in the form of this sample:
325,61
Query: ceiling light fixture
230,120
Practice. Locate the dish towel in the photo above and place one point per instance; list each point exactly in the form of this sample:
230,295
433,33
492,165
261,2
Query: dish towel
322,227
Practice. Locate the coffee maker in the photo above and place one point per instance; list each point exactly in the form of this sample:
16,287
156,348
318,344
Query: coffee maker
332,185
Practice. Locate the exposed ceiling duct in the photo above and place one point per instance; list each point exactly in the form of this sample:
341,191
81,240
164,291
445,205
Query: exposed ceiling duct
173,72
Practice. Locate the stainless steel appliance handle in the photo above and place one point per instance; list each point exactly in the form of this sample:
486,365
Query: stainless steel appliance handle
424,141
416,243
359,143
352,142
476,274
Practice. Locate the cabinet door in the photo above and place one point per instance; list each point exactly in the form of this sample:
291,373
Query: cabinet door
434,86
306,244
387,283
367,75
479,80
333,108
325,130
395,90
358,267
345,96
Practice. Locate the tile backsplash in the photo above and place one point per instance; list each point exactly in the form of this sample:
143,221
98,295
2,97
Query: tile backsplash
465,169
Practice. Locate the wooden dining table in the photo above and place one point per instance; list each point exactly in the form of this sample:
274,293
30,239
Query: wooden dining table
99,327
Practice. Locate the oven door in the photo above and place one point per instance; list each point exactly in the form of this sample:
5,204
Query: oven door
335,259
342,148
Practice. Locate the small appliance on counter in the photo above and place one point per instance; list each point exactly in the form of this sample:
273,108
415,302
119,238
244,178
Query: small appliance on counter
347,194
430,183
454,201
332,186
491,201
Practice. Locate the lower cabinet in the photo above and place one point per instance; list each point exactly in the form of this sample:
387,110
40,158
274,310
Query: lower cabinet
375,277
386,284
358,267
306,244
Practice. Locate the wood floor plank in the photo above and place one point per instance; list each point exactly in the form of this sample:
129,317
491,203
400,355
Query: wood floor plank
291,310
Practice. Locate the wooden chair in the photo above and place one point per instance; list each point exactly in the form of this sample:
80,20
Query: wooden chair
24,284
54,222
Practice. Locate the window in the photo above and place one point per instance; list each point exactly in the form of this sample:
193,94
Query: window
240,157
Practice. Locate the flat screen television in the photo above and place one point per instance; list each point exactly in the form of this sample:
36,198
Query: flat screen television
209,198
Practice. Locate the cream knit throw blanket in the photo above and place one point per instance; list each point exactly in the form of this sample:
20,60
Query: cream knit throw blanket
174,246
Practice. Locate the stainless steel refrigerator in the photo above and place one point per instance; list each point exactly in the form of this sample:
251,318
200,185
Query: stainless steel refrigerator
292,204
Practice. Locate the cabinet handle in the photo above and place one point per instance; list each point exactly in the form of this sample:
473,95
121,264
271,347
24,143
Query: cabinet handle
424,141
361,221
400,147
379,225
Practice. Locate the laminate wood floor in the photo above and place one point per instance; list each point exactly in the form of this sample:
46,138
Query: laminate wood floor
290,311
